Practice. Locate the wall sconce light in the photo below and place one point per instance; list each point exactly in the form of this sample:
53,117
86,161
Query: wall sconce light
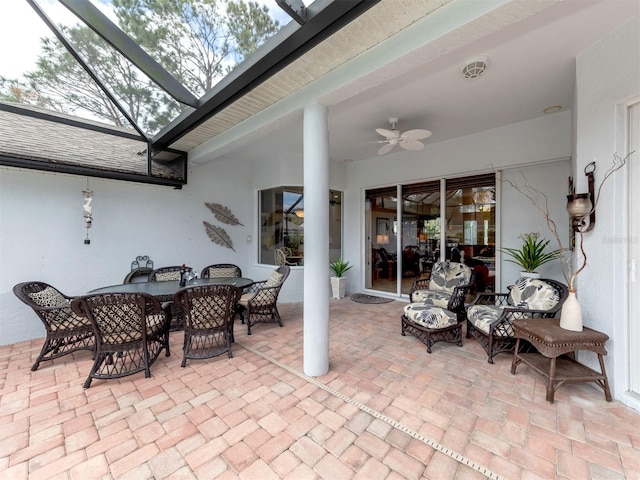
87,211
382,239
581,205
423,237
299,213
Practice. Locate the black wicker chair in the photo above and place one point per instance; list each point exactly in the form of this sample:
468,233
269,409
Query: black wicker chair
436,312
141,268
171,274
66,331
490,316
131,330
259,303
221,270
209,312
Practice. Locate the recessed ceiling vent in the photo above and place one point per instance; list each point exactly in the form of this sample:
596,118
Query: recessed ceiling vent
474,67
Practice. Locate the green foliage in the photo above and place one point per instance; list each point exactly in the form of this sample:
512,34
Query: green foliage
532,252
197,41
339,267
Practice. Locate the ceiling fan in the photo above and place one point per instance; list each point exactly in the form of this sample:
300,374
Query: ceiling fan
408,140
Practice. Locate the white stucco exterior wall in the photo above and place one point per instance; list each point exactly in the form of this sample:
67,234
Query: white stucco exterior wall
606,75
42,232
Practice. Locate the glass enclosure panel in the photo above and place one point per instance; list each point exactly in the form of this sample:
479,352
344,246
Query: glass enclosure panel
470,229
382,249
282,226
420,231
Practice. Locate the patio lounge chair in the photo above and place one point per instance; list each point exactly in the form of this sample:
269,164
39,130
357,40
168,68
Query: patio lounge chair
131,330
259,303
436,312
66,331
209,311
490,316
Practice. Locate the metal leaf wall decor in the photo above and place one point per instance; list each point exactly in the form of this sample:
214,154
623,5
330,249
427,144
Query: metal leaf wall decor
223,214
218,235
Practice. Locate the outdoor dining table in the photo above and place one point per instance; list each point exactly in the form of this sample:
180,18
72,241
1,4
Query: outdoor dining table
164,291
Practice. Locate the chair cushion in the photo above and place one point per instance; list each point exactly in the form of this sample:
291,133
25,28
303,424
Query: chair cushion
430,316
533,294
222,272
481,317
445,276
244,299
274,280
49,297
167,276
436,298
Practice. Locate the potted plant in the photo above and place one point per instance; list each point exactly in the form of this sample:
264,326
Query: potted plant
531,254
339,281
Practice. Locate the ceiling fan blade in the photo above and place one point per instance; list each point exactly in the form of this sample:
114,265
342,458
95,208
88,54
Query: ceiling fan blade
417,134
388,133
385,149
412,145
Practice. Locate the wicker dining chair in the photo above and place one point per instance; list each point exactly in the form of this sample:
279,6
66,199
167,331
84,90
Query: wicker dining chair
131,330
209,312
259,302
66,331
221,270
168,274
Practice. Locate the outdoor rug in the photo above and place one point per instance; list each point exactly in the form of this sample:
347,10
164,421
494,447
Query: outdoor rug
364,298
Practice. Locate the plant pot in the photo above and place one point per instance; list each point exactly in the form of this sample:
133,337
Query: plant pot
338,286
530,274
571,316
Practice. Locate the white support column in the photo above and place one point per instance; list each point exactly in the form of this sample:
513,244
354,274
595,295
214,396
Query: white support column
316,241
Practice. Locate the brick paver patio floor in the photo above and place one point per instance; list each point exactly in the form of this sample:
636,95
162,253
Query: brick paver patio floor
386,410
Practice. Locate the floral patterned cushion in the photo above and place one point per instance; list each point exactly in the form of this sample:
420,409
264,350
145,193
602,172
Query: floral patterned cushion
434,298
429,316
533,294
482,316
445,276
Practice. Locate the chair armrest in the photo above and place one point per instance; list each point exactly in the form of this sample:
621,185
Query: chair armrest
456,302
490,299
255,287
422,284
503,323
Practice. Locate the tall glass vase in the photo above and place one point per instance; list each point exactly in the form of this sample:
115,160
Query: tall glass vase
571,316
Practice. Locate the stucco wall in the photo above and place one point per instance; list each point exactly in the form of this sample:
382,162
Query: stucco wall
607,74
42,232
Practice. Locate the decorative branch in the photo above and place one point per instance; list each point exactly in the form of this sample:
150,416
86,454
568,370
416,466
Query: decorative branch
541,203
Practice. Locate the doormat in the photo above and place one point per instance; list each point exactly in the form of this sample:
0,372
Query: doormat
364,298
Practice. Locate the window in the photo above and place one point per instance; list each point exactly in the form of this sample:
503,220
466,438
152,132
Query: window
282,226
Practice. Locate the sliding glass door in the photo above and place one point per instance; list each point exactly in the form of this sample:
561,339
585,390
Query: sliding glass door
462,228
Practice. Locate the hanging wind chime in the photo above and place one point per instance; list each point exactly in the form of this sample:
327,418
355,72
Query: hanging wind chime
88,217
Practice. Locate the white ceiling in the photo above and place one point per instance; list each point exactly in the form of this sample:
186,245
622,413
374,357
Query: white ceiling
532,46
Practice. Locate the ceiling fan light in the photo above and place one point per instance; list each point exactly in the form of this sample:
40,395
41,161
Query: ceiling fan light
474,67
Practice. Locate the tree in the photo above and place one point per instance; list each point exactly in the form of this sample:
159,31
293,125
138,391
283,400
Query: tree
197,41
